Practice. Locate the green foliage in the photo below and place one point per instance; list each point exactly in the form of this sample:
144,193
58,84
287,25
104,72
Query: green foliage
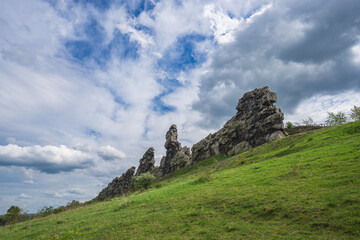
2,220
59,209
143,181
45,211
335,119
15,214
307,122
304,186
73,204
355,113
289,125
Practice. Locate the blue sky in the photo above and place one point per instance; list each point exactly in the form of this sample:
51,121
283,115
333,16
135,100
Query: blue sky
88,86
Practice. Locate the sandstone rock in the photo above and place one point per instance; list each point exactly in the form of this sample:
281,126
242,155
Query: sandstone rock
256,122
146,162
176,156
118,186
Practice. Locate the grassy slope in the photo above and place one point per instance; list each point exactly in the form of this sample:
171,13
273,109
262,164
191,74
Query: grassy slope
306,186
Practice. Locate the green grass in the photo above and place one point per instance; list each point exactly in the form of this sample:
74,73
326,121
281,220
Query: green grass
305,186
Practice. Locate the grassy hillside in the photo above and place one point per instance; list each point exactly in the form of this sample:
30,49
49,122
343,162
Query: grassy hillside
305,186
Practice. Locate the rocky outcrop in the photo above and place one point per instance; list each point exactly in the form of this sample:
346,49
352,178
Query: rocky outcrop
119,186
176,156
257,121
146,162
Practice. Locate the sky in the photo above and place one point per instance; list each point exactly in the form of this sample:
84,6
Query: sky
87,86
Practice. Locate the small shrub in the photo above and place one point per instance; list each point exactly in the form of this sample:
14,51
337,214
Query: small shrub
143,181
15,214
355,113
73,204
335,119
59,209
45,211
289,125
307,122
2,220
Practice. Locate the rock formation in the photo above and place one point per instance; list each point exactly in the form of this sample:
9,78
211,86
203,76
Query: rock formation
257,121
119,186
146,162
176,156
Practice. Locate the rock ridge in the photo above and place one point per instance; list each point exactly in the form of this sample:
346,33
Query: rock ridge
256,122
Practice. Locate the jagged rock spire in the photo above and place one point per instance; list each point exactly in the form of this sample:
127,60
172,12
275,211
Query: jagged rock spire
146,162
176,156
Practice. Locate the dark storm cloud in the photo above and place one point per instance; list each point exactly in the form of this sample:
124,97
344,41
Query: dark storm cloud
298,49
335,28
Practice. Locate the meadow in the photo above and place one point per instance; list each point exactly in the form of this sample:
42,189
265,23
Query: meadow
304,186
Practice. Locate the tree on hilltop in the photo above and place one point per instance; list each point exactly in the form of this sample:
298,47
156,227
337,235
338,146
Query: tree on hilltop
335,119
355,113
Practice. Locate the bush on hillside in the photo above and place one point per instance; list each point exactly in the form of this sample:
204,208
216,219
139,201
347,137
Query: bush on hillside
2,220
73,204
143,181
335,119
15,214
307,122
289,125
45,211
355,113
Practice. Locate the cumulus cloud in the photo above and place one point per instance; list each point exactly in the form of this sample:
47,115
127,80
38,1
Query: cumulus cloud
50,159
110,153
65,193
23,196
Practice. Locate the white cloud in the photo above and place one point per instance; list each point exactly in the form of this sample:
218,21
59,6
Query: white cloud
222,24
24,196
30,181
50,159
356,53
110,153
317,107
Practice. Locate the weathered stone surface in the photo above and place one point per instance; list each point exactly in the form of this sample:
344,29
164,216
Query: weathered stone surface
146,162
176,156
180,160
256,122
118,186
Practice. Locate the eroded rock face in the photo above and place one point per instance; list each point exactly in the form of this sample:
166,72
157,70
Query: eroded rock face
118,186
176,156
257,121
181,159
146,162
